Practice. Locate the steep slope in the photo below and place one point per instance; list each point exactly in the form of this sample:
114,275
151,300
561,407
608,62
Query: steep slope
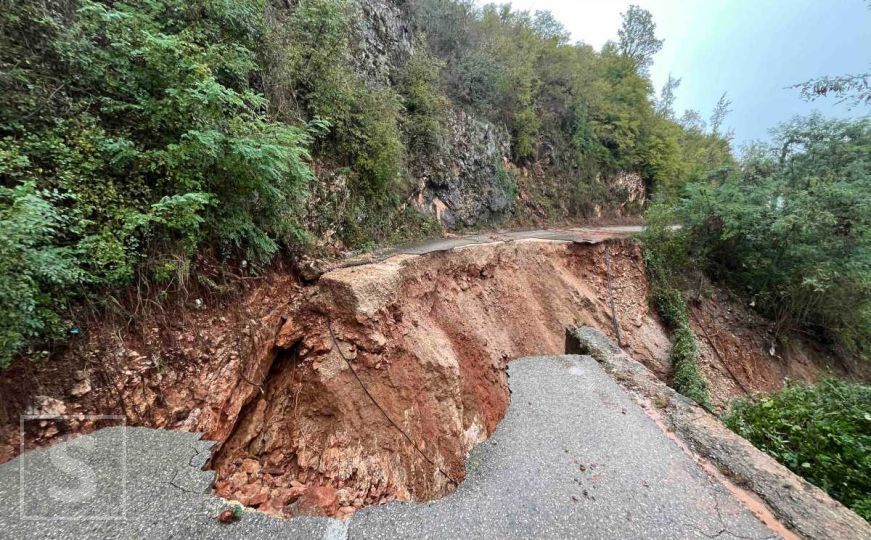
371,384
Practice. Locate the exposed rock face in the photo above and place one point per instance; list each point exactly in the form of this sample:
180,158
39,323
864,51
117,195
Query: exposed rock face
461,185
386,41
629,191
465,183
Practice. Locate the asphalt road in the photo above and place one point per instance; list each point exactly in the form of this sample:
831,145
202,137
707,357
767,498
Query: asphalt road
583,235
574,457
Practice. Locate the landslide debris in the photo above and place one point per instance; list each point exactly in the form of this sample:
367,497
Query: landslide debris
429,338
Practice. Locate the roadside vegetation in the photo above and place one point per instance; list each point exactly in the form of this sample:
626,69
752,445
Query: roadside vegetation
667,298
821,432
787,229
142,140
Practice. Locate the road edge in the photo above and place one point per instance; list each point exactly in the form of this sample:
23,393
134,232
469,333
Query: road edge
799,505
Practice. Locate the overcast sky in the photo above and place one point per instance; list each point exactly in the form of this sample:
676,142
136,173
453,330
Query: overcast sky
751,49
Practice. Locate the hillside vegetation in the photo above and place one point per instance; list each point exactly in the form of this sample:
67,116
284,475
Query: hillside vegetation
135,136
789,229
822,432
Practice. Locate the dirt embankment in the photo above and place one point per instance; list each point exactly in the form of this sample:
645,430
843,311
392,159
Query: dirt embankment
289,379
428,338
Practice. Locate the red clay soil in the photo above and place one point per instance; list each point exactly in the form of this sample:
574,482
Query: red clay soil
428,337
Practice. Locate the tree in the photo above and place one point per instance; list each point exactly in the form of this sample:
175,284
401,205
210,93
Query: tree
637,37
852,89
549,28
665,105
721,109
790,229
692,121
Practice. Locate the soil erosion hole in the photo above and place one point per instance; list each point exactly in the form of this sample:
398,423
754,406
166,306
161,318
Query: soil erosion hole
429,338
314,442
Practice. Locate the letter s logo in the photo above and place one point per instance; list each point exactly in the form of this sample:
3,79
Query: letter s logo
87,478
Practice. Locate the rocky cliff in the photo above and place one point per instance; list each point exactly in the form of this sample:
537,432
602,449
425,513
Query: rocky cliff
465,182
469,178
386,41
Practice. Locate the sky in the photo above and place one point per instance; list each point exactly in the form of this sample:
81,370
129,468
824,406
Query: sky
751,49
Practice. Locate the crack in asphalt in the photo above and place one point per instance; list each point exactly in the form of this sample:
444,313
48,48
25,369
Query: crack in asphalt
717,489
196,453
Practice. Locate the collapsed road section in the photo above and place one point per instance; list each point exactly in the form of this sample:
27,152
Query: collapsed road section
576,455
374,383
381,383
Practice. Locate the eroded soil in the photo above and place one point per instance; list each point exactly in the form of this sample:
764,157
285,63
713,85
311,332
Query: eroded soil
285,380
429,338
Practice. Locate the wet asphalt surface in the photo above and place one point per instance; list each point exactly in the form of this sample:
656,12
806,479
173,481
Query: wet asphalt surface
574,457
580,235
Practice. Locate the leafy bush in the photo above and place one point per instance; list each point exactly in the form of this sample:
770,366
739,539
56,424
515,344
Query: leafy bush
33,270
133,130
425,105
311,61
790,229
686,377
669,303
821,432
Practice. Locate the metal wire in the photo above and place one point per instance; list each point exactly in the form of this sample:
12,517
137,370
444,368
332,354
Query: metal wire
380,408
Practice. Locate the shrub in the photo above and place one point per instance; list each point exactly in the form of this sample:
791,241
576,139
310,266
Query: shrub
425,105
789,229
686,377
311,60
821,432
33,270
669,302
141,129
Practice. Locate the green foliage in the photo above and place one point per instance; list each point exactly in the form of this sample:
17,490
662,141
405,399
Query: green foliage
142,121
637,37
686,377
374,143
665,105
721,109
424,102
33,270
821,432
588,114
506,180
854,89
311,61
790,229
669,303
